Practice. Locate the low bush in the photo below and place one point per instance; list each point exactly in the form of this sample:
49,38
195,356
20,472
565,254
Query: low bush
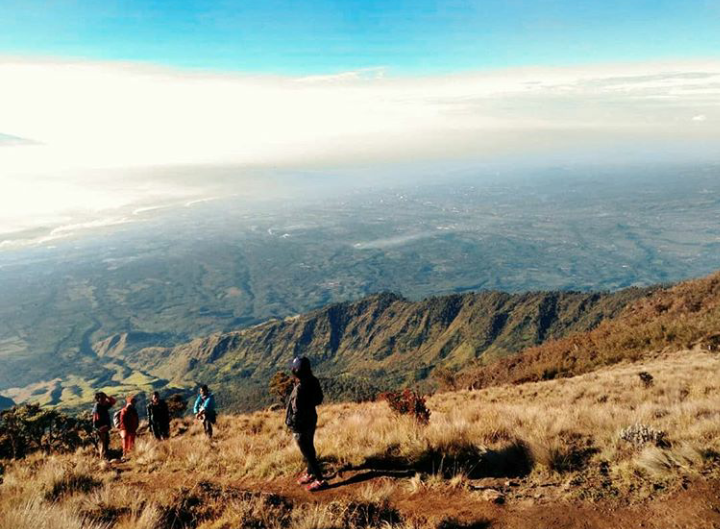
408,402
177,405
29,428
280,387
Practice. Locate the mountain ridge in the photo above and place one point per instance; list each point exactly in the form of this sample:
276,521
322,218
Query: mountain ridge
383,338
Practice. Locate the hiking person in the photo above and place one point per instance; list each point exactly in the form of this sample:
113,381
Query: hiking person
301,418
101,421
204,410
129,422
158,417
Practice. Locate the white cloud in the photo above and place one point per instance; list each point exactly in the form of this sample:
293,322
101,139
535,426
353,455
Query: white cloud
377,72
90,115
92,123
700,117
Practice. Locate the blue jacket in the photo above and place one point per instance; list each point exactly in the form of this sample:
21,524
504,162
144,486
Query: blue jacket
206,404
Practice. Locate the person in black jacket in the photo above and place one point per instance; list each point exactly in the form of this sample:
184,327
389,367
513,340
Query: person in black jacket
158,417
301,418
101,421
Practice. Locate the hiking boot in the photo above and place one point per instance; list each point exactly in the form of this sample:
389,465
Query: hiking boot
318,484
305,479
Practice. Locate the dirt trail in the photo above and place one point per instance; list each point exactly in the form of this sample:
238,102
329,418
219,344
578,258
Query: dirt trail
697,506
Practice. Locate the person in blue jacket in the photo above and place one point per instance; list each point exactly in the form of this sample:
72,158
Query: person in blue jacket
204,410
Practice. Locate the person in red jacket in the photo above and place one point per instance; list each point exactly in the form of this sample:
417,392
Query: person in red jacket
129,422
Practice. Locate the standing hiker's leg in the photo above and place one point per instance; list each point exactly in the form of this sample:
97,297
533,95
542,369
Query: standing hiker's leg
123,438
103,443
305,442
106,444
313,461
207,423
128,442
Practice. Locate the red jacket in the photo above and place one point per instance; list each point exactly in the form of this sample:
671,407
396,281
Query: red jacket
129,420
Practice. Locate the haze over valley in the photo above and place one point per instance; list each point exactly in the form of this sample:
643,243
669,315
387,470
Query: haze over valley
169,274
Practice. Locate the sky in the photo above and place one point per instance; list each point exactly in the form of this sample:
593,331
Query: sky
419,37
99,99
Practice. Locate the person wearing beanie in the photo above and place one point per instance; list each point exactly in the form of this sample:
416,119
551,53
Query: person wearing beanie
301,417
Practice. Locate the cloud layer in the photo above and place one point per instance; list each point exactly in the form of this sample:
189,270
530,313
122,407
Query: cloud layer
82,122
110,115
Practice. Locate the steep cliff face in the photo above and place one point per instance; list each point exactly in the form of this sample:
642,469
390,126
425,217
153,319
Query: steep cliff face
384,338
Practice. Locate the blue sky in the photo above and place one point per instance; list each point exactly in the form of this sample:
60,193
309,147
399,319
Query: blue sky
320,36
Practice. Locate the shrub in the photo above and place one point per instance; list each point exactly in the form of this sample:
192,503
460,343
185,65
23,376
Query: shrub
28,428
408,402
280,386
176,405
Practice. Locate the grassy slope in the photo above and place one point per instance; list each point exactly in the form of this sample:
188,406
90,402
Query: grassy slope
551,449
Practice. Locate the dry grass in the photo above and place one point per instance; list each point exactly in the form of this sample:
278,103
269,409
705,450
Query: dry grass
564,433
573,425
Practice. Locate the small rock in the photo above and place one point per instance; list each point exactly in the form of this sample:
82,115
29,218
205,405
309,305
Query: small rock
512,484
493,496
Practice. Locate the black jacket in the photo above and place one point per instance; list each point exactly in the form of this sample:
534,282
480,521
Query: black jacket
300,414
158,416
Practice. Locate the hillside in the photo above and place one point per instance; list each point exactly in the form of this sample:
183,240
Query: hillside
683,316
604,449
379,342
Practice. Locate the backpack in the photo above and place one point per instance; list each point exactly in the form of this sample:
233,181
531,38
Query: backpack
116,418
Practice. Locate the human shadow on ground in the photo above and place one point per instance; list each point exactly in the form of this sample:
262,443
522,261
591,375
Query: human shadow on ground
371,474
511,461
454,524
